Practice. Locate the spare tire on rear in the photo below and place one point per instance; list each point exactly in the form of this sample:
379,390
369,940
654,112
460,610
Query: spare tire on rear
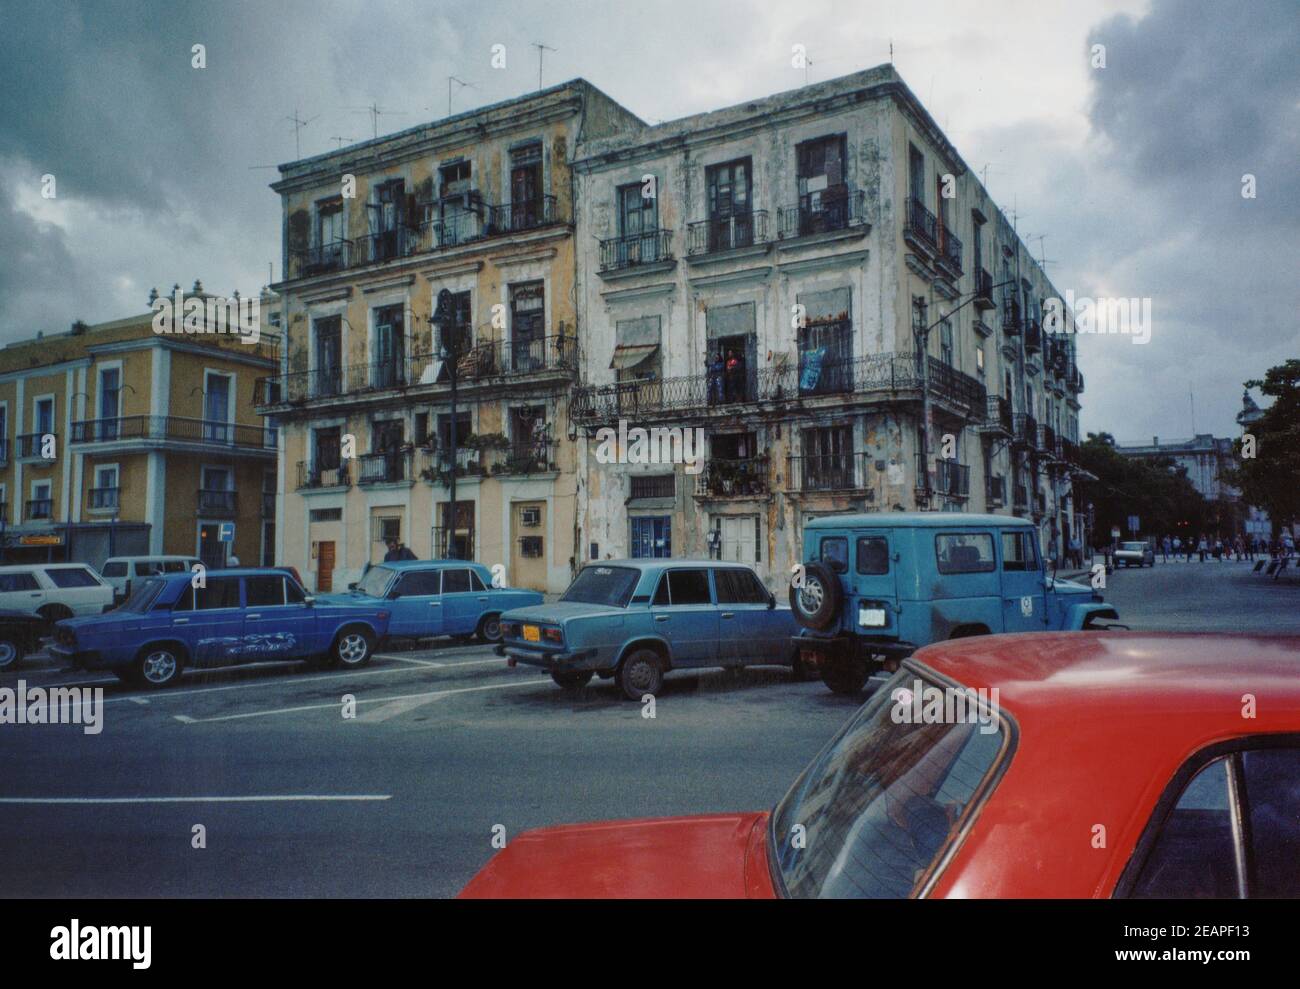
817,604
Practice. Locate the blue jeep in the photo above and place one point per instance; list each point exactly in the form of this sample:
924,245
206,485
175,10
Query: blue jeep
440,597
239,616
877,586
634,620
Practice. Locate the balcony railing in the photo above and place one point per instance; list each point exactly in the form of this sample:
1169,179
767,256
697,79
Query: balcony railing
995,491
1033,336
1069,451
948,383
998,416
828,472
525,215
650,247
1047,440
837,208
398,242
725,233
387,467
103,498
337,474
215,502
31,445
536,457
321,259
951,479
1026,431
984,290
921,224
209,432
733,478
950,251
39,509
1010,315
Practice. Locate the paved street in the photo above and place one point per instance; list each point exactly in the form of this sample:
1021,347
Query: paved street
447,743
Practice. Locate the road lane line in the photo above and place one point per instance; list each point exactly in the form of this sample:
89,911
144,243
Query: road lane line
268,798
407,659
432,695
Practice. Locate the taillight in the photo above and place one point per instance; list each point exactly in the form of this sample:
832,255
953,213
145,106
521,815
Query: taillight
553,635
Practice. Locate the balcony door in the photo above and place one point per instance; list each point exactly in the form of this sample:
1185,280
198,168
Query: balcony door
386,217
110,390
638,225
730,188
826,342
732,356
823,193
526,186
390,348
527,326
828,458
216,408
329,350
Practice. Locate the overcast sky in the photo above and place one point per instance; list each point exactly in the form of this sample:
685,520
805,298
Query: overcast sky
1133,172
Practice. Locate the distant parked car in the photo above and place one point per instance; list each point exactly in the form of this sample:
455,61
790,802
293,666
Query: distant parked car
1140,732
119,571
634,620
430,598
238,616
54,590
20,633
1135,555
877,586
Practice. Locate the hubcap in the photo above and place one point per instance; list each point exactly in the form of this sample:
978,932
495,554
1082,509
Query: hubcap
492,629
7,653
352,648
159,667
641,675
811,596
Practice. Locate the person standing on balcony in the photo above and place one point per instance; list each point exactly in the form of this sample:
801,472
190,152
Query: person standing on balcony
735,368
715,369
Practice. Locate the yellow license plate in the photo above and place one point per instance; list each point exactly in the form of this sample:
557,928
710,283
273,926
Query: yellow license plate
532,633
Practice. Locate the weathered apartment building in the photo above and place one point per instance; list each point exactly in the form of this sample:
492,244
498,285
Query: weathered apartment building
819,282
116,440
432,335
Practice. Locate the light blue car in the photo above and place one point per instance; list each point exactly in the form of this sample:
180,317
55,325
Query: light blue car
634,620
431,598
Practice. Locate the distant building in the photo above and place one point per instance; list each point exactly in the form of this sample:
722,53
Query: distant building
1257,521
1203,456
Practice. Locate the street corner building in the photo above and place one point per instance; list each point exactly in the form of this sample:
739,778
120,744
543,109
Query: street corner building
432,343
117,439
819,282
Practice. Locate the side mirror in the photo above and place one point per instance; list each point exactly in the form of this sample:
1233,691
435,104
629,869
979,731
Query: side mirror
771,600
309,600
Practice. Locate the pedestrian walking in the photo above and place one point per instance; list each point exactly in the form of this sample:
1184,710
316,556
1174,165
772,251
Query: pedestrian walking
1164,549
1178,545
1202,547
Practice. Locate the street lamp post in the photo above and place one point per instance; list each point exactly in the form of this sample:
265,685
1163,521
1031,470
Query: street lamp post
450,356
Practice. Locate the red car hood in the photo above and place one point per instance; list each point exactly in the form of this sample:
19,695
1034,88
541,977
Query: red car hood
713,856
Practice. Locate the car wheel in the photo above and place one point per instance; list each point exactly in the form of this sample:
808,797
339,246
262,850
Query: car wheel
640,674
845,676
489,628
817,603
353,648
11,652
158,666
574,680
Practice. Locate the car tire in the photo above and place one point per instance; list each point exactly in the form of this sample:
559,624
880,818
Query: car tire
157,667
489,629
574,680
11,652
817,604
352,649
641,673
845,676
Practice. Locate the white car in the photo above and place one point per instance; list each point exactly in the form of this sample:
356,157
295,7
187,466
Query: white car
54,590
119,571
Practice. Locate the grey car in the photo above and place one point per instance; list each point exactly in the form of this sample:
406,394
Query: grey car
1135,555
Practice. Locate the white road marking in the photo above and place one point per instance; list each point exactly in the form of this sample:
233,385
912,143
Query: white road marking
269,798
140,700
431,695
407,659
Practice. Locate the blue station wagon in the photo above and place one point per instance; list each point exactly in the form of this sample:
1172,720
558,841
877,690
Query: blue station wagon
239,616
877,586
440,597
634,620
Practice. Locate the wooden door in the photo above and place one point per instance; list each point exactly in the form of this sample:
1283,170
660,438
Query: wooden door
325,567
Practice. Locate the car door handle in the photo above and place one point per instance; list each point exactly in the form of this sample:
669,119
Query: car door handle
661,618
36,594
252,616
483,598
180,621
435,604
728,614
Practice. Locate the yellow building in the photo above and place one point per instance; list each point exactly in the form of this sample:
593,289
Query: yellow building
477,206
119,440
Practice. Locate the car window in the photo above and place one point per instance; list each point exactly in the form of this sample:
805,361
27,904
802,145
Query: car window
1139,547
964,552
72,577
418,583
873,555
736,586
148,568
476,582
835,553
603,585
881,803
1019,552
117,569
1272,779
1194,857
174,566
23,580
688,586
375,582
265,591
143,594
220,592
293,591
455,581
662,598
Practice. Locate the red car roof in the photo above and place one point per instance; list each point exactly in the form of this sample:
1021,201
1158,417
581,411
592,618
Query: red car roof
1105,719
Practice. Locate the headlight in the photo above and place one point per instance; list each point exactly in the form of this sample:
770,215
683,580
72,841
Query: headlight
872,614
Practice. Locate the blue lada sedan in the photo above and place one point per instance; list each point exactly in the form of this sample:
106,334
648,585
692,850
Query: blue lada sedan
246,615
429,598
634,620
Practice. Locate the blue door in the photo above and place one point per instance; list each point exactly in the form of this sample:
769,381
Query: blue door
210,621
873,582
685,615
278,623
464,599
748,630
652,537
1023,603
418,606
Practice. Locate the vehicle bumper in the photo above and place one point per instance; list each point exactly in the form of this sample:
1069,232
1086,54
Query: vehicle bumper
814,649
564,661
78,659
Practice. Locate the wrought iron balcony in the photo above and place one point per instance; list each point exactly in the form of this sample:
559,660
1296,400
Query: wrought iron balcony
998,416
984,290
527,214
836,208
32,445
387,467
537,457
1026,431
995,490
1033,336
650,247
828,472
734,478
208,432
320,259
950,252
102,499
954,386
921,225
324,474
39,509
725,233
1010,315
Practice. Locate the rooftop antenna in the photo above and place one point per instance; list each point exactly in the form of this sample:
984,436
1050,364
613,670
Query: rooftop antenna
541,53
463,85
298,125
342,140
375,111
1191,399
891,51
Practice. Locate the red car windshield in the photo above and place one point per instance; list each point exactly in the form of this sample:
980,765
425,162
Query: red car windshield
877,808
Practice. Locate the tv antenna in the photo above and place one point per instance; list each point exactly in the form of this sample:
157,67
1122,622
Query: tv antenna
298,125
342,140
375,111
460,82
541,54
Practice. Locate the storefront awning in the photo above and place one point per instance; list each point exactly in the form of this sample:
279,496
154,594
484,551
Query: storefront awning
629,356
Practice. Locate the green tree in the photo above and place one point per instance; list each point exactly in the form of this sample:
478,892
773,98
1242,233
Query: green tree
1158,491
1270,479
